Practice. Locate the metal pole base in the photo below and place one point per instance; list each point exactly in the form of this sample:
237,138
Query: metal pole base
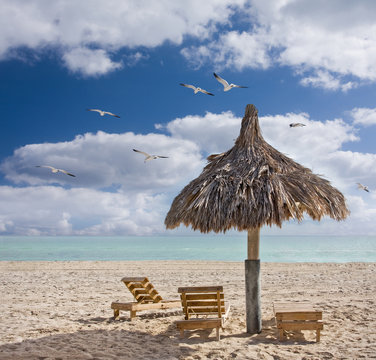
253,296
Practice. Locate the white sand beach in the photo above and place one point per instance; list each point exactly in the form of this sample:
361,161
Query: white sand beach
61,310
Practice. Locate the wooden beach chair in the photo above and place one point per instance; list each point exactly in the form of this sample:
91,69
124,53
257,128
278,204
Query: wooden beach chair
297,316
146,296
206,304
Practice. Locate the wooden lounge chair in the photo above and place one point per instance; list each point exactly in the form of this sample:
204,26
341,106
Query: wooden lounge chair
207,304
297,316
146,296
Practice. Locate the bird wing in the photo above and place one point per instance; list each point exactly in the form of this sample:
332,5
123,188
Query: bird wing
141,152
66,172
46,166
222,81
188,86
110,113
162,157
97,110
239,86
206,92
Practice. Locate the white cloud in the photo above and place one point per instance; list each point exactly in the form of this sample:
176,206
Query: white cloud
114,165
89,62
213,133
331,44
115,192
232,50
51,210
327,38
349,167
310,144
318,146
323,79
134,59
109,26
364,116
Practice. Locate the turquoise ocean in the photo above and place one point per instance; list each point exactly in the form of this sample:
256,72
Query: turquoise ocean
337,249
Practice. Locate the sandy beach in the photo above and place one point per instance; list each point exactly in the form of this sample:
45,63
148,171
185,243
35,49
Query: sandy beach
61,310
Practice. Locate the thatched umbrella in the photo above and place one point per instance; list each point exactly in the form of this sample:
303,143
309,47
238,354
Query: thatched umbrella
251,185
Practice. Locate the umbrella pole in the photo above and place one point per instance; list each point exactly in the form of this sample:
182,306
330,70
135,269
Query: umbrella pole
252,283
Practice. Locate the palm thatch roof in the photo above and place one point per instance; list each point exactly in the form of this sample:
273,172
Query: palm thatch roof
251,185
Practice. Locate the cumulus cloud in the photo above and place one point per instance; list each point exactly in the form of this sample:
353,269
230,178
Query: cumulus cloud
89,62
319,145
72,26
105,160
364,116
51,210
327,39
308,145
232,50
323,79
213,133
331,45
115,192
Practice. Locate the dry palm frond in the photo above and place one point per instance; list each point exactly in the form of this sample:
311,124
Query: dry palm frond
251,185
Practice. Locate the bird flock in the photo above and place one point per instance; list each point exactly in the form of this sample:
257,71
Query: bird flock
148,157
226,87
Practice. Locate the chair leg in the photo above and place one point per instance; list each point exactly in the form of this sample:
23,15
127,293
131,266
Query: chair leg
181,333
281,335
132,314
318,335
116,313
218,336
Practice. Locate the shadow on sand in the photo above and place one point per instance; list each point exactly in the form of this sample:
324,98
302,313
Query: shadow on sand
97,344
132,343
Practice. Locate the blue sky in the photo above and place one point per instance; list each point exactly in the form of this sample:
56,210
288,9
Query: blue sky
315,65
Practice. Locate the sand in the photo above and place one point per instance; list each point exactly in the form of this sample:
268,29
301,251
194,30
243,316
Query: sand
61,310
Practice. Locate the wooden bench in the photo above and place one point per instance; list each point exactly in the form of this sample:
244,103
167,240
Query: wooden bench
207,304
297,316
146,296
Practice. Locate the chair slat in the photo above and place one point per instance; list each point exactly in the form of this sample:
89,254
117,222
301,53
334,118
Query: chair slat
211,310
142,289
205,303
203,296
198,289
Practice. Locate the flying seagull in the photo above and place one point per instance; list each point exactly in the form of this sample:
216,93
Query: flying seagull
196,89
54,170
362,187
296,124
150,157
226,85
102,113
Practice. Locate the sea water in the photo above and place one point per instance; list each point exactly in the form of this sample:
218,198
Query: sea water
203,247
